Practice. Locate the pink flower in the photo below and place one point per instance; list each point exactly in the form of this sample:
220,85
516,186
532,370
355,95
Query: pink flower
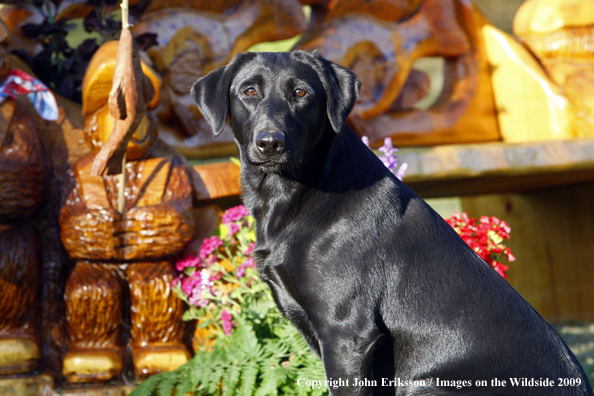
209,245
234,228
250,248
190,261
226,322
177,281
249,262
234,214
195,284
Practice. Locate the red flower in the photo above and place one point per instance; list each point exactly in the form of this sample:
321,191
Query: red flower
500,268
481,238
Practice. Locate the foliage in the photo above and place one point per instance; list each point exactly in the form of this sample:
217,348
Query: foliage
59,65
486,238
250,348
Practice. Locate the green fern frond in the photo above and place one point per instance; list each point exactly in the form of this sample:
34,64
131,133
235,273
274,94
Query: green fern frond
231,380
249,377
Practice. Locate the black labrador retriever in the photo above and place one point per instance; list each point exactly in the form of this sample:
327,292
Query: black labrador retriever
378,285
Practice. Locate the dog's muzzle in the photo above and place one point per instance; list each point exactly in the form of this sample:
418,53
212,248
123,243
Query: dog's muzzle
270,144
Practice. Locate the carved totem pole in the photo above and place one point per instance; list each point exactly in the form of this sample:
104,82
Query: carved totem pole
22,178
124,234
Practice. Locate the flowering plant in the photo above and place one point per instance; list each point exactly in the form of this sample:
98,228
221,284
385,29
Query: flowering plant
216,282
247,347
486,238
390,158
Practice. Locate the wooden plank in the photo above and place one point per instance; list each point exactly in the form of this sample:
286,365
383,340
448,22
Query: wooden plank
454,170
552,234
216,181
461,169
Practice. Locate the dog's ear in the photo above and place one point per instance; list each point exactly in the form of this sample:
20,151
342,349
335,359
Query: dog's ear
342,91
211,93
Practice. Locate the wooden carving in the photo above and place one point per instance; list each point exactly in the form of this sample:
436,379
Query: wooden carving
131,92
128,252
383,52
522,89
22,184
192,43
561,35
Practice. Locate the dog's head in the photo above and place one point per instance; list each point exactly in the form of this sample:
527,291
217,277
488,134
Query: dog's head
279,104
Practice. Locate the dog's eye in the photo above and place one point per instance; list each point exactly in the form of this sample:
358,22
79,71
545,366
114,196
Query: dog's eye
250,92
300,93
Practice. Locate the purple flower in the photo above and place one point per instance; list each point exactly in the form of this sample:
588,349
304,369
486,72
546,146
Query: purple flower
234,214
389,159
226,322
402,171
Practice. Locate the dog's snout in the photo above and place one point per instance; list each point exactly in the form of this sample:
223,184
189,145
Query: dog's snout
270,143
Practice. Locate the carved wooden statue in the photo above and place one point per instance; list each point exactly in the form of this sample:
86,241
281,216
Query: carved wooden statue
124,259
22,179
561,35
381,40
199,38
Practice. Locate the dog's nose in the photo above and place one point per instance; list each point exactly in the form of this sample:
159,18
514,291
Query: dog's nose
270,143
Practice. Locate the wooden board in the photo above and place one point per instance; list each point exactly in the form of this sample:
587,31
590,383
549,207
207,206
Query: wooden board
552,234
215,181
458,169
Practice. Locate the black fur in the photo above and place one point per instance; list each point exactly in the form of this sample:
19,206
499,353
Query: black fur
377,283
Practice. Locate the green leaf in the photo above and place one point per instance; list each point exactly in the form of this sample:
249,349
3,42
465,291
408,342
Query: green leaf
223,231
231,379
236,161
248,378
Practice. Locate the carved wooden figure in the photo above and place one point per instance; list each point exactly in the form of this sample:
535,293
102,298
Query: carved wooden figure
193,42
381,40
124,260
561,35
22,178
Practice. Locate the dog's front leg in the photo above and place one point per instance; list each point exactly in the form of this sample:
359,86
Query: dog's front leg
349,361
